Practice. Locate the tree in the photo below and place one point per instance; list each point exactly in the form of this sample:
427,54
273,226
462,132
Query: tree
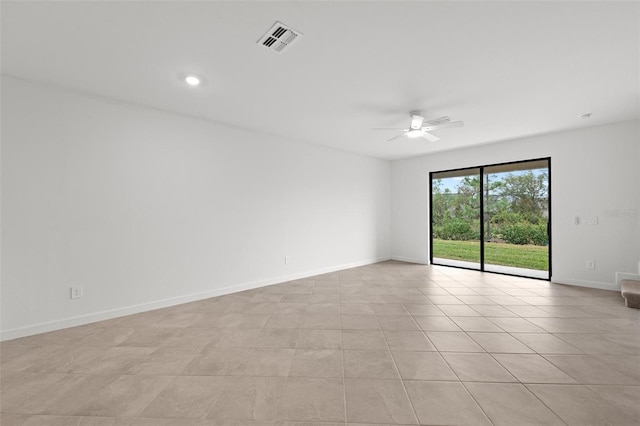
468,199
493,203
527,194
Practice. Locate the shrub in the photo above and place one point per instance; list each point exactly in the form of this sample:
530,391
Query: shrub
506,217
539,236
455,230
525,233
437,232
517,233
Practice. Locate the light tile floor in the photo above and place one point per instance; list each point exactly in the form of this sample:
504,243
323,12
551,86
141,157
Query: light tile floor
390,343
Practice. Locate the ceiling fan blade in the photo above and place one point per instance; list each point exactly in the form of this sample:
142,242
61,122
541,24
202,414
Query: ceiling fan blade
429,137
388,128
444,125
396,137
440,120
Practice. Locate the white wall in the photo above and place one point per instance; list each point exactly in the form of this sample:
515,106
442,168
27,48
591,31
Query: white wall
593,170
146,209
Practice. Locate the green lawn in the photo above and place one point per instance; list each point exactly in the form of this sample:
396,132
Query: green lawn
527,256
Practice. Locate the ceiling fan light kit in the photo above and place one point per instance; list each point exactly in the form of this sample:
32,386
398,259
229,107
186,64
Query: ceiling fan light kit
416,121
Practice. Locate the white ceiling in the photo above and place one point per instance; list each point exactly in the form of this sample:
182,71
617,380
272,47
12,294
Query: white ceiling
507,69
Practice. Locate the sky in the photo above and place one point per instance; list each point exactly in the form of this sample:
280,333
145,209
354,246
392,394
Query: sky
453,182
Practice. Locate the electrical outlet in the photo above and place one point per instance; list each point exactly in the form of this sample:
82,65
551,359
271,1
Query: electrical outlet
76,292
590,264
286,260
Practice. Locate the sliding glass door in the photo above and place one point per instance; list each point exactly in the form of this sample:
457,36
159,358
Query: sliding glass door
493,218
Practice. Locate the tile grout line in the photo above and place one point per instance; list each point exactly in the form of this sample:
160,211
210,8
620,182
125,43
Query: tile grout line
344,381
406,392
465,388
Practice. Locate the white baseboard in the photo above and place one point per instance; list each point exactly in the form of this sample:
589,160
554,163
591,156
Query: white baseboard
583,283
164,303
410,260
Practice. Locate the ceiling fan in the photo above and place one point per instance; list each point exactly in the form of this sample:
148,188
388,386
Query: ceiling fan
420,128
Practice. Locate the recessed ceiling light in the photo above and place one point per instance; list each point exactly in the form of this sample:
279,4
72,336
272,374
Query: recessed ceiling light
192,80
585,116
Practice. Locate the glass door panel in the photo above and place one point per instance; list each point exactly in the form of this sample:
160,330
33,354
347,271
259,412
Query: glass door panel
455,211
516,218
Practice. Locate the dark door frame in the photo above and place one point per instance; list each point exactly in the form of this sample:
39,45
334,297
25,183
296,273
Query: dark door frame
481,168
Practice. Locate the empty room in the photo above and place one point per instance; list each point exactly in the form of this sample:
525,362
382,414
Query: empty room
320,213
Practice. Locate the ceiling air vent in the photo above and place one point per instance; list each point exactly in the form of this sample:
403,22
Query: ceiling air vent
279,37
